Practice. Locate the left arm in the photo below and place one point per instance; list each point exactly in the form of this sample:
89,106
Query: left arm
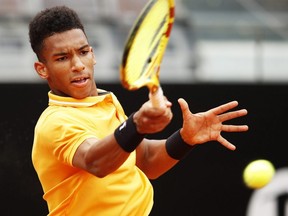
152,156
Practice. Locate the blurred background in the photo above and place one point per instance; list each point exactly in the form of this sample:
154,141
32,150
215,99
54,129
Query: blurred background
220,50
212,40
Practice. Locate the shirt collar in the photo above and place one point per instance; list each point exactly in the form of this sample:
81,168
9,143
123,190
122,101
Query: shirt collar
57,100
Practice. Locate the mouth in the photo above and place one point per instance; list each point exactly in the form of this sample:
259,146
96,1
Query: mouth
80,82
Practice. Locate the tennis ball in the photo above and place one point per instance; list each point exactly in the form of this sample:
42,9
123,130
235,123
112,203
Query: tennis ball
258,173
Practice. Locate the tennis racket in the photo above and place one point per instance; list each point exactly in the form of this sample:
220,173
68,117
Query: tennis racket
145,48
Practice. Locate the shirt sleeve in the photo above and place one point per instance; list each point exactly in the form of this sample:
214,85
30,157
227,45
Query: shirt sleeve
64,134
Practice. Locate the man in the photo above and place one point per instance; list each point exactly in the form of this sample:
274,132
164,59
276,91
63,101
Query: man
90,158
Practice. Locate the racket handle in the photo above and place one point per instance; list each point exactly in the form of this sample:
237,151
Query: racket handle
157,98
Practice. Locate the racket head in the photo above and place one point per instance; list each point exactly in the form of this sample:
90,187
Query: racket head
146,45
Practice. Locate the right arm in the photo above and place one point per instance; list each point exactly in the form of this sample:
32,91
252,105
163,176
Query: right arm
100,157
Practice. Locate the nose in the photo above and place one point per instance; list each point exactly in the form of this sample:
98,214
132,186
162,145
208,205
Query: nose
77,64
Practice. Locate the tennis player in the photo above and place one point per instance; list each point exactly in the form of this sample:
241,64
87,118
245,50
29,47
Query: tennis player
91,159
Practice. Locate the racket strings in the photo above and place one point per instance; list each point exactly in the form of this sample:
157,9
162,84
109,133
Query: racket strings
147,43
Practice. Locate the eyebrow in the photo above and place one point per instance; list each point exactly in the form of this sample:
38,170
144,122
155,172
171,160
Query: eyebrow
64,53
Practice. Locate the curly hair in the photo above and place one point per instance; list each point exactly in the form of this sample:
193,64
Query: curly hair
50,21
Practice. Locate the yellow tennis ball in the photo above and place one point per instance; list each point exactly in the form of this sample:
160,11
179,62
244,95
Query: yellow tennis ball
258,173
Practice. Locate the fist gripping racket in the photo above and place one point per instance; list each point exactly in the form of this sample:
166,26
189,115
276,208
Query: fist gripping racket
145,47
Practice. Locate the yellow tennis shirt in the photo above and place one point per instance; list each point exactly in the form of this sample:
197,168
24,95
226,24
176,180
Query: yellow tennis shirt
61,128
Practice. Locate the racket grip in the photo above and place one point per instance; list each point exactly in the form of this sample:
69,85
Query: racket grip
157,98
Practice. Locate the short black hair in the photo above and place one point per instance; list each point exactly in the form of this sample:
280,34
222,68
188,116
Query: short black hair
50,21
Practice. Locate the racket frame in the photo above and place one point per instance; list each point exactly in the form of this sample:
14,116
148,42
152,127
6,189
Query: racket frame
151,76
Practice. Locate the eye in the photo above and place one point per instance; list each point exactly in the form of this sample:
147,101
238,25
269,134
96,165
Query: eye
62,58
84,52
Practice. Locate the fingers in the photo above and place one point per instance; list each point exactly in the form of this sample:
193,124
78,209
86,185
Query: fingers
226,143
151,120
210,124
234,128
184,106
232,115
167,102
224,108
155,112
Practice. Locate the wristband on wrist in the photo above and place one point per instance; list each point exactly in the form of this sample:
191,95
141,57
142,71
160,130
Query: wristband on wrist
127,135
176,147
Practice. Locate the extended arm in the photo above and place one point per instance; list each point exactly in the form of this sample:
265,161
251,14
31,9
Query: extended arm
101,157
198,128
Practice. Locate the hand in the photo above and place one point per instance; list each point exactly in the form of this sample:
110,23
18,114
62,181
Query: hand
152,120
206,126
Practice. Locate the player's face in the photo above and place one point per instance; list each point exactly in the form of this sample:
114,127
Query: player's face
68,64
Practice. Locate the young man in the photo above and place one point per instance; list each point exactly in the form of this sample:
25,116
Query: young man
90,158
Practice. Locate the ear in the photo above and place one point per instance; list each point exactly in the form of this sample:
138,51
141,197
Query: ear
93,56
41,69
